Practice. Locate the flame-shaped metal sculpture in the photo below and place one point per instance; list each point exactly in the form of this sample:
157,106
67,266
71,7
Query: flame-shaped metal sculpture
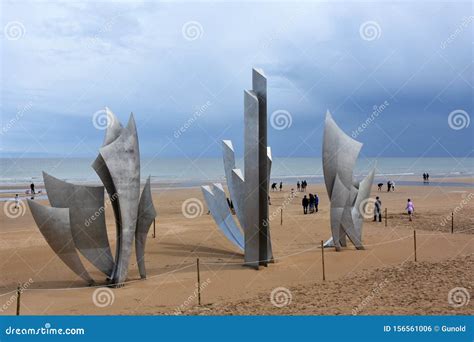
249,194
76,218
347,196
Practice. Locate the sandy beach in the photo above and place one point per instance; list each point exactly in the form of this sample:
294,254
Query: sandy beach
402,286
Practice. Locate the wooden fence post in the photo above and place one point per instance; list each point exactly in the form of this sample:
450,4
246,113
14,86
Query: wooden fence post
281,217
198,282
414,242
18,299
322,259
386,217
452,222
154,229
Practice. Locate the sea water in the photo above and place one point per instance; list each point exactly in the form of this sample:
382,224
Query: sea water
189,172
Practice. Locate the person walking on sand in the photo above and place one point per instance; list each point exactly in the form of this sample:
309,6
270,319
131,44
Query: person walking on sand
17,202
377,209
32,190
427,177
410,209
305,204
298,185
311,203
424,177
281,186
316,202
393,186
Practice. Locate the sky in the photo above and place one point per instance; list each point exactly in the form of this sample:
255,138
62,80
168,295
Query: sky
396,76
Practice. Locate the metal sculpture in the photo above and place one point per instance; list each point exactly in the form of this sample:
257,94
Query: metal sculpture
347,196
146,215
248,192
55,226
76,219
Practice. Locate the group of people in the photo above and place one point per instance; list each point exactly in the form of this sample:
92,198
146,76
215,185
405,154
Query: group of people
301,186
274,186
31,191
410,208
312,203
390,186
426,177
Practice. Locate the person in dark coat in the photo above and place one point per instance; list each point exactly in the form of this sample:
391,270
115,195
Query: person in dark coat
377,209
305,203
311,203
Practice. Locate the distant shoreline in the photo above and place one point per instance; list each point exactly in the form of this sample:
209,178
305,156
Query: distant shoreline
7,191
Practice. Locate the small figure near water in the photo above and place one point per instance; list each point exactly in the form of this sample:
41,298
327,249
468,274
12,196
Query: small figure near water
17,202
426,177
32,190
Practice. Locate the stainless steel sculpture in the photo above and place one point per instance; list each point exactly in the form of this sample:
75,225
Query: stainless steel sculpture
217,204
55,226
146,215
118,166
248,192
78,211
83,202
347,196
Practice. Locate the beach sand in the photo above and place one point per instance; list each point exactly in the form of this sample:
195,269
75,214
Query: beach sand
444,262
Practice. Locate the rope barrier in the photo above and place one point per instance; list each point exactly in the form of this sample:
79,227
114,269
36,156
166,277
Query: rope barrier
7,293
104,285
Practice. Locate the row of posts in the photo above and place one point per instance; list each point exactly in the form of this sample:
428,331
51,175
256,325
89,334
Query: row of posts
385,219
